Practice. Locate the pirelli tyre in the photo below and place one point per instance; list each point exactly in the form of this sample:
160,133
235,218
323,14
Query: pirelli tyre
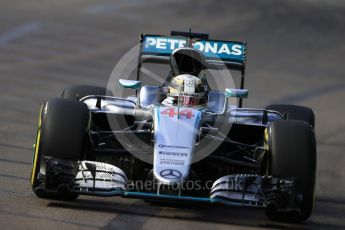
292,153
77,92
295,112
60,135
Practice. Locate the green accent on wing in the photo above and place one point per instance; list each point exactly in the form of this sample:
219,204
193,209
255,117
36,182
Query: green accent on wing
240,93
131,84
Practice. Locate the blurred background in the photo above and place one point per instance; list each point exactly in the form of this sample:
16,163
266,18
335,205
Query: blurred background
295,55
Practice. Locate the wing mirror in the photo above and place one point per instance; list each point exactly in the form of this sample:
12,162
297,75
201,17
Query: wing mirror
239,93
130,84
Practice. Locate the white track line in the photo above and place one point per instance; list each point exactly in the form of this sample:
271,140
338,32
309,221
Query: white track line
15,33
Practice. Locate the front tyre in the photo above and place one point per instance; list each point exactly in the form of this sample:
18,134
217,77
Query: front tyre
292,153
60,135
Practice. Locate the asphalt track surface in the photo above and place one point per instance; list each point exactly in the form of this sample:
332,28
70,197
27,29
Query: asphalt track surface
295,55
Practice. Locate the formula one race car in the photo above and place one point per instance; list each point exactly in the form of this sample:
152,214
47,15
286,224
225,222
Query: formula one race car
180,141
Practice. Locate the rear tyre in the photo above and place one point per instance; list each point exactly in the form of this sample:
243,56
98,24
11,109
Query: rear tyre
292,149
77,92
61,135
295,112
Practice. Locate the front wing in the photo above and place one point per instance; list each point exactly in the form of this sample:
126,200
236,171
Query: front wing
246,190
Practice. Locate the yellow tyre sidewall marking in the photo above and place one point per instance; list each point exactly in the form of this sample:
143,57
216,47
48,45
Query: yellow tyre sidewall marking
34,163
266,139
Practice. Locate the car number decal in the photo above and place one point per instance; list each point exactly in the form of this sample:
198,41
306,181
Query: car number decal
171,112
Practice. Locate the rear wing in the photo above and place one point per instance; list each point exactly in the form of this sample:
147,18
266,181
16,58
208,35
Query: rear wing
219,54
157,49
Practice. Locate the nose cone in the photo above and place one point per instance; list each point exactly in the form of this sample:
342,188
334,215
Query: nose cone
175,136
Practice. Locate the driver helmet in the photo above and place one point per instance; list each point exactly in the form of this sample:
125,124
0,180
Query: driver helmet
186,90
185,87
